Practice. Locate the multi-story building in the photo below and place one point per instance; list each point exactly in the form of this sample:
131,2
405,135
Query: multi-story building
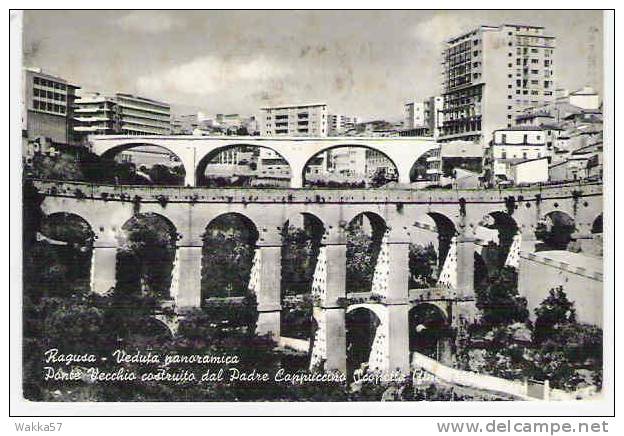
414,115
184,124
48,104
434,114
143,116
511,146
423,118
297,120
126,114
490,74
96,114
338,124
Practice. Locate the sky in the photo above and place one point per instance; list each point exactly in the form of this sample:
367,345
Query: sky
365,63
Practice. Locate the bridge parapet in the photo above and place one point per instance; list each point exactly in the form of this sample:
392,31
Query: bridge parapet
438,293
290,195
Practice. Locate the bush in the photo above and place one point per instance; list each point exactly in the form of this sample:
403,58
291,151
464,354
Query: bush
500,303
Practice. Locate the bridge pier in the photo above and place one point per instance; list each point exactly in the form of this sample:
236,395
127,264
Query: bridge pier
396,331
336,274
268,289
330,341
188,269
103,269
189,177
586,242
465,266
398,273
528,242
296,180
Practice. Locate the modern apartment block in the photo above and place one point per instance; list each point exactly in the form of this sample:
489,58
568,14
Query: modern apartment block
340,123
126,114
414,115
143,116
96,114
490,74
48,103
423,118
297,120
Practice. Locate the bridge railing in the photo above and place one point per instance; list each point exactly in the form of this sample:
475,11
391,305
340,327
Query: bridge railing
520,389
290,195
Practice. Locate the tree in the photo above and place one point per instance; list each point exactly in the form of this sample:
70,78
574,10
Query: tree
164,175
148,250
500,303
362,252
227,262
422,260
299,254
61,167
555,312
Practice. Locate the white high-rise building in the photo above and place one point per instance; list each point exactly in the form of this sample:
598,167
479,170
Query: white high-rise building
490,74
414,116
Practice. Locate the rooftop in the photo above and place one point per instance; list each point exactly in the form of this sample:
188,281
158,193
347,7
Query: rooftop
41,73
294,106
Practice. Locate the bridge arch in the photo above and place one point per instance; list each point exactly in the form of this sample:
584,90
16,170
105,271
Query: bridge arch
422,169
507,228
114,150
555,230
59,232
361,324
70,237
364,237
145,256
446,229
302,235
359,166
255,161
597,225
228,254
429,330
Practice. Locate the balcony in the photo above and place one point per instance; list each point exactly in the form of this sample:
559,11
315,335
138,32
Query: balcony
89,128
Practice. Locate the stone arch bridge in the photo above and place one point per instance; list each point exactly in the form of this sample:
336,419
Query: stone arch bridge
407,216
193,151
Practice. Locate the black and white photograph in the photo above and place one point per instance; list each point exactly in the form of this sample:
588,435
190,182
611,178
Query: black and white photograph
313,206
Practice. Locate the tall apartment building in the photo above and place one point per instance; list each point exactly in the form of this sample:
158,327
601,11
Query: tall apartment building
48,103
96,114
143,116
423,118
298,120
340,123
414,115
126,114
490,74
